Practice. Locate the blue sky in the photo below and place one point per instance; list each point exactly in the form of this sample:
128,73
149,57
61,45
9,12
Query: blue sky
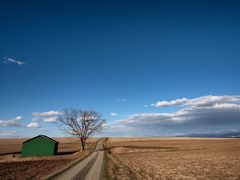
117,57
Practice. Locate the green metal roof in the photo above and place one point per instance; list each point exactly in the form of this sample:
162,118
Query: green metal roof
43,136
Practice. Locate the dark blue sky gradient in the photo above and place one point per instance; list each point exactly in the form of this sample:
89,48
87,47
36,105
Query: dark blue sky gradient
89,53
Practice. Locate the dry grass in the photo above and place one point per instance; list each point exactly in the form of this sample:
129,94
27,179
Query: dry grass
174,158
13,166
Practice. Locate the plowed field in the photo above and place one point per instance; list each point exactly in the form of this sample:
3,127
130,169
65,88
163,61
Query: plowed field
174,158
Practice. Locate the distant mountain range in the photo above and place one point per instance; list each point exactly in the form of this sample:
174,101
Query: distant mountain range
225,134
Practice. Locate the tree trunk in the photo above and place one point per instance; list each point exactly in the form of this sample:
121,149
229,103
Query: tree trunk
83,141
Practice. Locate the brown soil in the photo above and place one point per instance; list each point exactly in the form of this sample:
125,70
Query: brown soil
13,166
174,159
33,168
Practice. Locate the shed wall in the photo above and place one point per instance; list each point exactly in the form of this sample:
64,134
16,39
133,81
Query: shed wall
39,147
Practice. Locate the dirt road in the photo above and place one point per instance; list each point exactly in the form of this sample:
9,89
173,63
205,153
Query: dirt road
91,168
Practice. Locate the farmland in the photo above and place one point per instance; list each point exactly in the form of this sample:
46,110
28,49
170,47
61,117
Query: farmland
134,158
13,166
173,158
66,145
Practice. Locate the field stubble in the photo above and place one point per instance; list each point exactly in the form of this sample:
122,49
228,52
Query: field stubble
174,158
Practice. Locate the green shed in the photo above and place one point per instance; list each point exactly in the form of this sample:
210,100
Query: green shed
39,146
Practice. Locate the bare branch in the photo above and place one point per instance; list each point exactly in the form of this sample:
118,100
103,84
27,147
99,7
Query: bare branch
81,123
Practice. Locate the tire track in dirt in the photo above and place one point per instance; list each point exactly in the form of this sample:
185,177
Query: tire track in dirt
90,168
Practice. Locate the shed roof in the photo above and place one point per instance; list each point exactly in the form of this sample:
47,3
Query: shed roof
43,136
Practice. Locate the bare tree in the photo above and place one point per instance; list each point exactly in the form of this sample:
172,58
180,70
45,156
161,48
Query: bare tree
82,124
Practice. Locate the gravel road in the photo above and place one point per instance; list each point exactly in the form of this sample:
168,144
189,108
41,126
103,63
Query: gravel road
90,168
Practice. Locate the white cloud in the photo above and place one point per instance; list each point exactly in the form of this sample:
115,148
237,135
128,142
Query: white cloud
19,118
50,116
113,114
171,103
226,105
33,125
203,114
14,122
50,119
105,125
14,61
45,114
122,100
200,101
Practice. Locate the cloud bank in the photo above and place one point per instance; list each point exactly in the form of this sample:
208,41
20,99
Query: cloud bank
7,134
50,116
200,101
14,122
209,114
